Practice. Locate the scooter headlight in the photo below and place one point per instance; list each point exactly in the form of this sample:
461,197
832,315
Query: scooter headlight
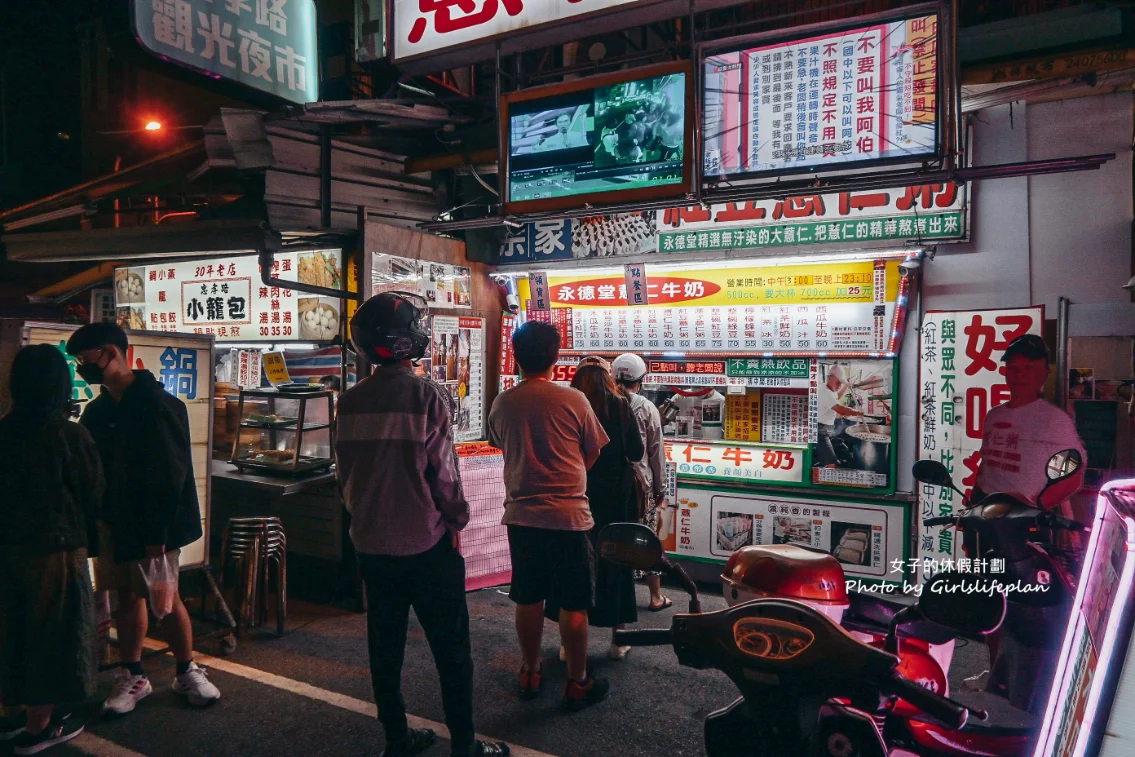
996,510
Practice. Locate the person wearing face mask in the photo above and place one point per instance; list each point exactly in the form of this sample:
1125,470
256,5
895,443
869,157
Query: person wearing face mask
150,509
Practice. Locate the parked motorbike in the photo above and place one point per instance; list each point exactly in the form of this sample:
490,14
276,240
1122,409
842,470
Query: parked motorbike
808,687
1041,600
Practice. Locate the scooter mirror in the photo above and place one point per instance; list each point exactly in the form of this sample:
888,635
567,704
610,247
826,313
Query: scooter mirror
630,545
958,602
932,472
1063,464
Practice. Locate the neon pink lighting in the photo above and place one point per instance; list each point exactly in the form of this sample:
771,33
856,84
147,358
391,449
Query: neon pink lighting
1077,625
1107,649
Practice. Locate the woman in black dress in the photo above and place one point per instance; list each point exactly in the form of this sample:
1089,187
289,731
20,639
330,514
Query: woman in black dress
611,492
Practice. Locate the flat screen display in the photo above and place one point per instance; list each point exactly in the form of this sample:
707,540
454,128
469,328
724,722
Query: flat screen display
606,139
825,102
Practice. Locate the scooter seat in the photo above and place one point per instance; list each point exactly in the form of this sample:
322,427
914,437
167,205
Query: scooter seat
872,613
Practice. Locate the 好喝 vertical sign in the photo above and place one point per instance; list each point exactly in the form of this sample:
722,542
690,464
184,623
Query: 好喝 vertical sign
961,378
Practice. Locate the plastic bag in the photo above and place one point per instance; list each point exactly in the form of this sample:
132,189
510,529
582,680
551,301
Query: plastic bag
160,578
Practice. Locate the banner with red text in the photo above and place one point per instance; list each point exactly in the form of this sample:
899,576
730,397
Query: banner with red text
961,377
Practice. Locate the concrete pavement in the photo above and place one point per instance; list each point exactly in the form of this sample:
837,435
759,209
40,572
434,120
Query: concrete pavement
309,693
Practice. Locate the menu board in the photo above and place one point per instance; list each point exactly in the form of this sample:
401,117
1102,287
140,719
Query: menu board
457,363
860,94
443,286
225,298
784,418
866,538
846,327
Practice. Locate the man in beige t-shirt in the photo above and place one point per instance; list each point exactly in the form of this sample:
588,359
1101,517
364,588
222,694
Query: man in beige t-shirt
550,437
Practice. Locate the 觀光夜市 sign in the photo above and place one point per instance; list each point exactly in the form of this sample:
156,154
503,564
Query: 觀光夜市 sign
269,45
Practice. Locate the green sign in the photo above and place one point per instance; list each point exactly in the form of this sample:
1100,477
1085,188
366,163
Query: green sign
269,45
926,227
768,367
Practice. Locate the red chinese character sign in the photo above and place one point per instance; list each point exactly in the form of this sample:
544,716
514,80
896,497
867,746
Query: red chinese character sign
429,26
961,378
862,94
269,45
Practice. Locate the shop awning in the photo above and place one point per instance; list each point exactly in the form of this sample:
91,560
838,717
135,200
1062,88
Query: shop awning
199,239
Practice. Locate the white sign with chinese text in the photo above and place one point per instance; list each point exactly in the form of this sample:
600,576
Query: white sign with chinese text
961,378
457,362
728,461
225,297
427,26
849,327
868,539
637,294
442,286
867,93
270,45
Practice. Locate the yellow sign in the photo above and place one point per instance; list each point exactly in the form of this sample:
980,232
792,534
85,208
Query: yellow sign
743,416
276,369
780,285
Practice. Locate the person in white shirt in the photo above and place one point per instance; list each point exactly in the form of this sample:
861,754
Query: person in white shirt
1017,441
830,409
562,139
629,370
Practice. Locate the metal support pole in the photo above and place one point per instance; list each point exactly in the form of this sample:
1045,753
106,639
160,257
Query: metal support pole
1062,351
325,176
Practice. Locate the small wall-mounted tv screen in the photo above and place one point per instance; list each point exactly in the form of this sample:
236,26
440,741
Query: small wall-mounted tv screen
613,137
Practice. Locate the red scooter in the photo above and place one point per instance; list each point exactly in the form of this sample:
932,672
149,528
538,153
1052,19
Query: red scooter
808,687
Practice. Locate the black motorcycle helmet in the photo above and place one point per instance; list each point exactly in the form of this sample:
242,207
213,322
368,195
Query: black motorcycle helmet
389,327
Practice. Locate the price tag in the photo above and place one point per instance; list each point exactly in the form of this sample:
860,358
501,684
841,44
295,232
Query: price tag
276,368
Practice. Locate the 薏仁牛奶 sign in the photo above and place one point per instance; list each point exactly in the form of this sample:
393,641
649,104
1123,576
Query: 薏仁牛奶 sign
960,380
869,539
931,212
269,45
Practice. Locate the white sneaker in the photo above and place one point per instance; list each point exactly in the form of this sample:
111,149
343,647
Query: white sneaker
196,687
128,691
618,653
976,683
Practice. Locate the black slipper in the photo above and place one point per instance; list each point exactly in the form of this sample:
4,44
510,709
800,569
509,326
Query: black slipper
666,603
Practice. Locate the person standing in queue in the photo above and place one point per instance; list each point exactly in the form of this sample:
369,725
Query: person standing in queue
1018,438
150,510
397,467
550,437
52,482
612,497
629,370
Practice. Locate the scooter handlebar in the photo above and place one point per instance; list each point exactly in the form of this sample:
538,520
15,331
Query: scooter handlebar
936,706
1059,522
645,637
939,521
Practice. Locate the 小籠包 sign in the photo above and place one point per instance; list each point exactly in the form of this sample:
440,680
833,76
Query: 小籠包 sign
269,45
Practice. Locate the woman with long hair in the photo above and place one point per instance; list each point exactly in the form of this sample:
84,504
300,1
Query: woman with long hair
611,493
52,482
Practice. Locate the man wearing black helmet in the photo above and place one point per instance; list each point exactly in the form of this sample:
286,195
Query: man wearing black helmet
398,471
